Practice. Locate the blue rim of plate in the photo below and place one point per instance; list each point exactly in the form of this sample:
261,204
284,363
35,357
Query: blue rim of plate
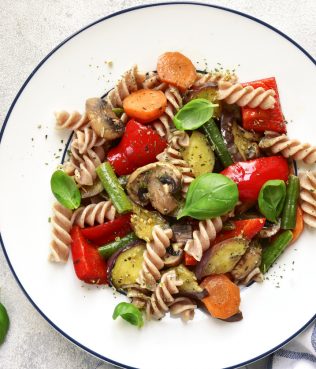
20,92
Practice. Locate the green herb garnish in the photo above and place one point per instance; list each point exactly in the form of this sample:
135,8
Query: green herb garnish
4,323
129,312
65,190
271,199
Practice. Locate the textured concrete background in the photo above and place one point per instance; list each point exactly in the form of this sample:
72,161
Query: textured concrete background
29,29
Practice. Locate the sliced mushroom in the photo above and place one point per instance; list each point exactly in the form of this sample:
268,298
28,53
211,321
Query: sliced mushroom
156,183
103,120
181,232
173,256
249,261
269,229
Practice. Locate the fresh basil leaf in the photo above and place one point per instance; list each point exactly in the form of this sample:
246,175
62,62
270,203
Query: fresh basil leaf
4,323
129,312
65,190
194,114
210,195
271,199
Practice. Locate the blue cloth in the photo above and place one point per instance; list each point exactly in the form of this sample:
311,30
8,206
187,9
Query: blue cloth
300,353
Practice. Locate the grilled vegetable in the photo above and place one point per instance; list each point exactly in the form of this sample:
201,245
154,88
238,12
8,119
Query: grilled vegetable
227,123
125,265
290,205
199,154
269,229
173,256
182,232
222,257
190,287
143,222
215,138
249,261
208,92
107,250
246,142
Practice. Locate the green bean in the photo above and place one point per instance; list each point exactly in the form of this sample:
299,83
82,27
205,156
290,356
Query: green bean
274,250
109,249
290,205
112,186
216,140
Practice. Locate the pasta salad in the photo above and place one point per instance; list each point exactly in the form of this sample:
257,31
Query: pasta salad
180,187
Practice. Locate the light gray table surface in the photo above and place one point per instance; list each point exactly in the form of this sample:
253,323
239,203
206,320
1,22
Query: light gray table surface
29,29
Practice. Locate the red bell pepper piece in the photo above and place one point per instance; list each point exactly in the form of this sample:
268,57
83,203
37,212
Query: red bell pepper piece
246,228
139,146
109,231
261,120
189,260
251,175
89,265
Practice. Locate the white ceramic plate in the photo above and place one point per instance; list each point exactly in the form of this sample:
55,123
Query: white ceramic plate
76,70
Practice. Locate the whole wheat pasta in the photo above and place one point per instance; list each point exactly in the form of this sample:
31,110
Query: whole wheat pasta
214,77
183,307
93,214
153,262
174,102
86,139
86,174
131,81
152,81
308,197
73,121
246,96
172,154
138,295
61,223
203,237
162,297
287,147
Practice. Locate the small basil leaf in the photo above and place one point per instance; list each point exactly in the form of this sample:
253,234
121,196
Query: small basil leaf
128,312
65,190
271,199
194,114
4,323
210,195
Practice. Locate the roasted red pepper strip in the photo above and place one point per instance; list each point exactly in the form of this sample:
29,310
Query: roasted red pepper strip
261,120
251,175
89,265
246,228
139,146
109,231
189,260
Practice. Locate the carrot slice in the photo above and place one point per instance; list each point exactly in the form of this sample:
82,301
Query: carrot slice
299,226
224,296
177,70
145,105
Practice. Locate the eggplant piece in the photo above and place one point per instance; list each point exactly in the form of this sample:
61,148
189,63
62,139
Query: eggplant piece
208,91
124,266
227,122
248,262
190,287
143,222
182,232
222,257
246,142
199,154
174,255
90,191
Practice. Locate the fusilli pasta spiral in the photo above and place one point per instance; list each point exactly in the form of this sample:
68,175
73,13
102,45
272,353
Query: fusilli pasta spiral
152,81
86,139
162,297
174,103
86,174
172,154
138,295
61,223
71,121
281,144
153,262
203,237
183,307
216,77
93,214
131,81
246,96
308,197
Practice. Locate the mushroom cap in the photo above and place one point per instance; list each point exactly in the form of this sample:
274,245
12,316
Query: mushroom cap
155,183
103,120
